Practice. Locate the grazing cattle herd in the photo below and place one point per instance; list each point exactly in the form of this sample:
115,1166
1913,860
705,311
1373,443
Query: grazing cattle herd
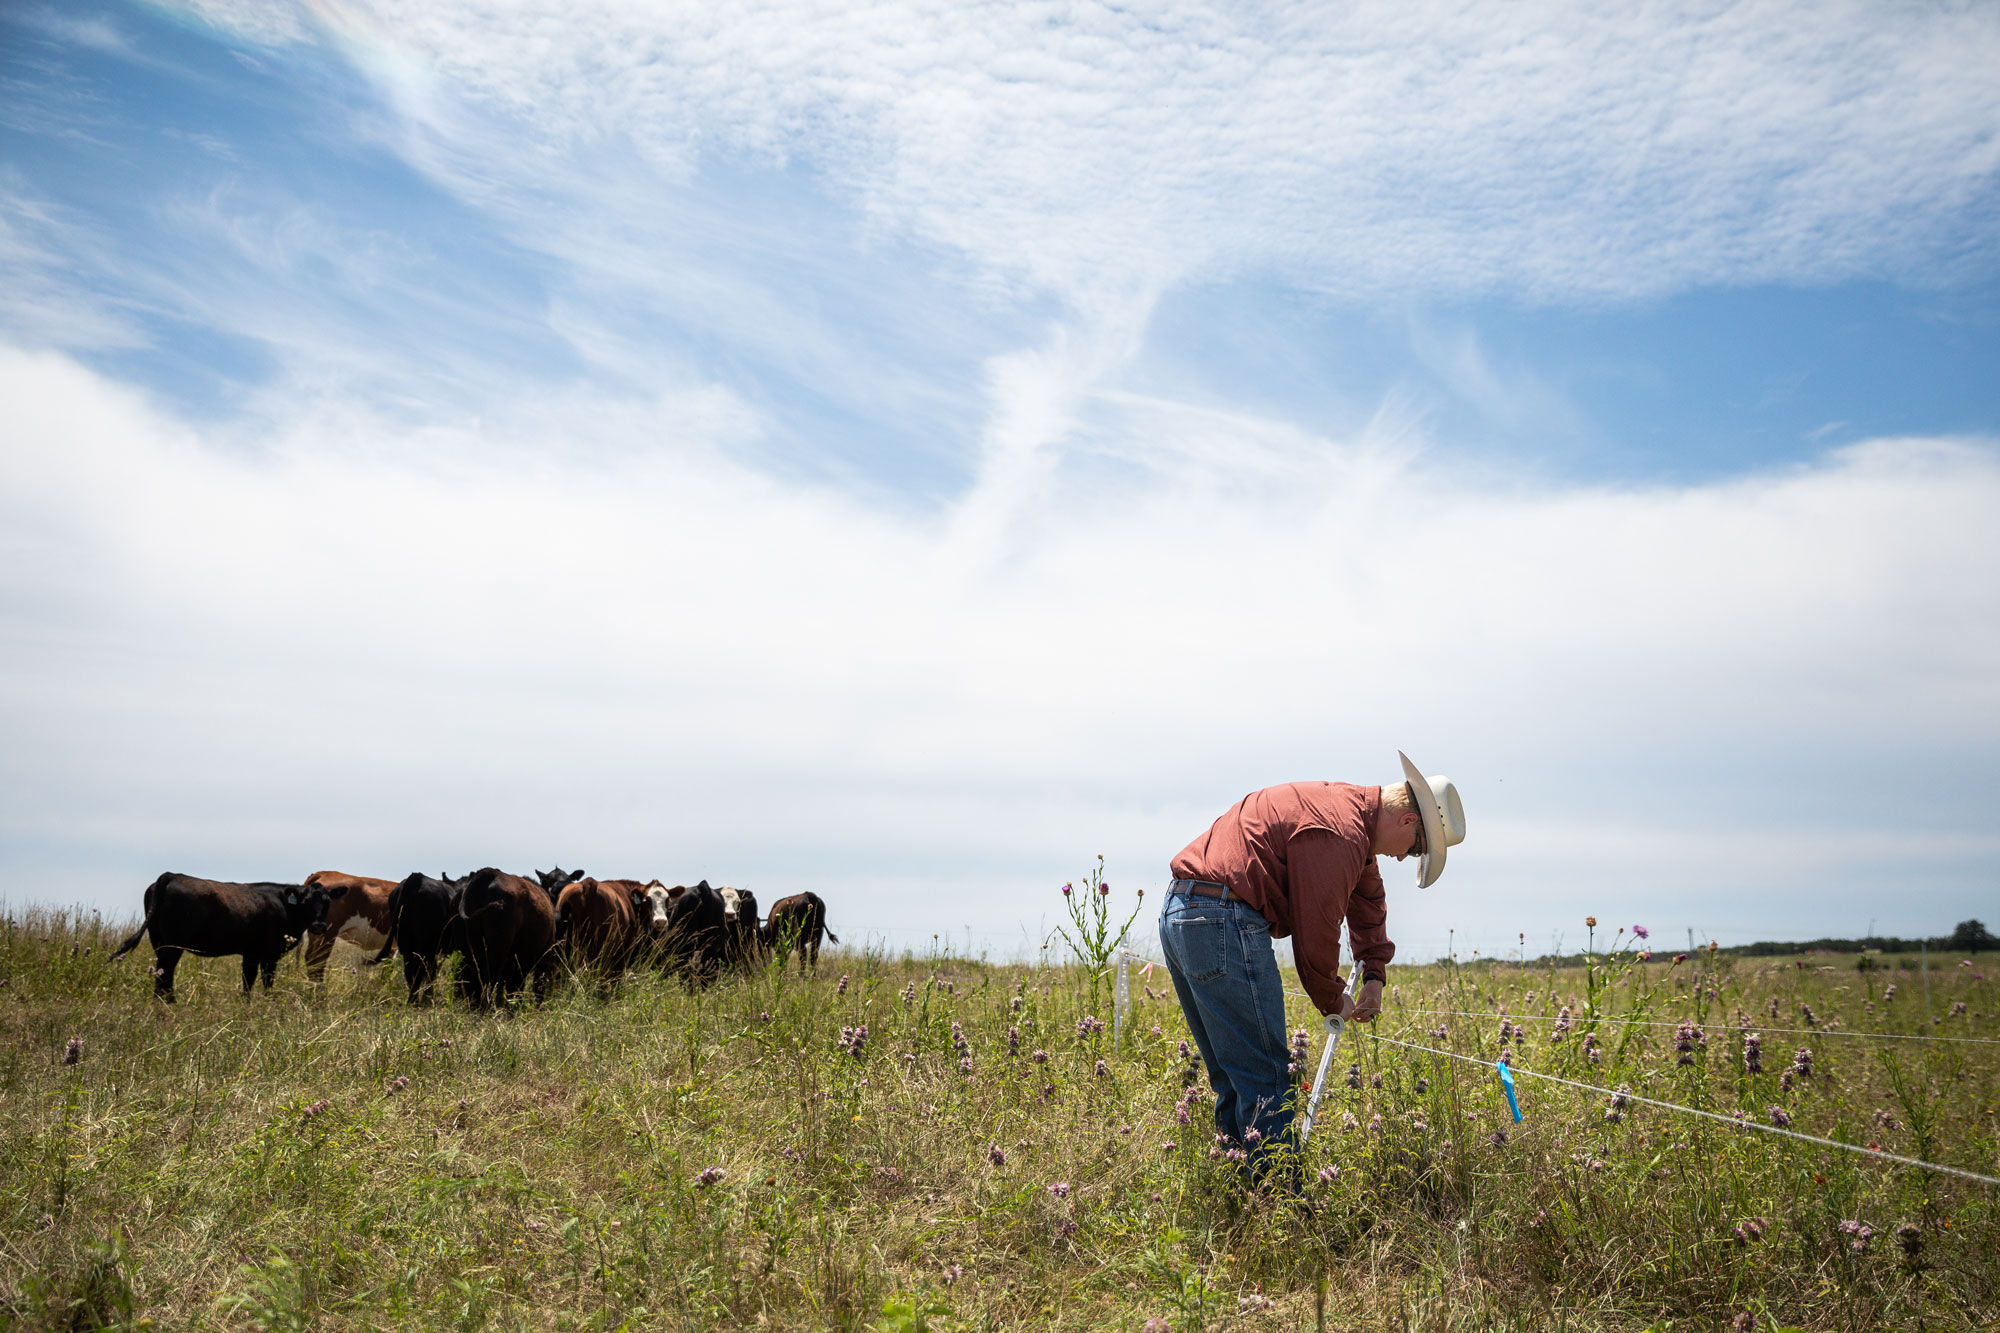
506,932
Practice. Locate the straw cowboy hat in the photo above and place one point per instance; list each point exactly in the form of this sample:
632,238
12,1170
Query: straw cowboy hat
1444,819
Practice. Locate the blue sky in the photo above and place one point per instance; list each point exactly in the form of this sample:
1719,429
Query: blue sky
905,453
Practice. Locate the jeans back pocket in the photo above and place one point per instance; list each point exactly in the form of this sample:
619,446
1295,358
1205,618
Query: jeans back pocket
1203,945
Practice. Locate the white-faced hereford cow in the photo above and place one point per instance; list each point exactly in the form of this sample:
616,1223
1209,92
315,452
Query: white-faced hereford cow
357,910
213,918
797,922
739,927
656,911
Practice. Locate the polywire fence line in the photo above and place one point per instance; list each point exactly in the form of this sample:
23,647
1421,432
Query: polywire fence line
1873,1154
1669,1023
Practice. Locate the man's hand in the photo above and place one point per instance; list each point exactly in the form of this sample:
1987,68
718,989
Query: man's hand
1369,1005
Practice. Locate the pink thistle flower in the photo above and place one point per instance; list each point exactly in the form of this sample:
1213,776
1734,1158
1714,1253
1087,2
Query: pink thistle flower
1642,932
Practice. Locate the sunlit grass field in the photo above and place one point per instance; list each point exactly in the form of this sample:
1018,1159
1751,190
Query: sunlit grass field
982,1157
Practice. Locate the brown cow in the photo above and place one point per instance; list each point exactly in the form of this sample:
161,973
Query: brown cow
598,922
797,921
510,933
357,911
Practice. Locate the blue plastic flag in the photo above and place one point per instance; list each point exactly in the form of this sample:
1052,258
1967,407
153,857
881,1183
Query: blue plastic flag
1507,1082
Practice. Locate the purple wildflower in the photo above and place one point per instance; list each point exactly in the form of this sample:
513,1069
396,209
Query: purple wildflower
1860,1232
1753,1052
1779,1116
1060,1189
1040,1057
402,1081
73,1053
1802,1062
1328,1174
1088,1026
708,1177
1066,889
1749,1231
1684,1041
1642,932
841,989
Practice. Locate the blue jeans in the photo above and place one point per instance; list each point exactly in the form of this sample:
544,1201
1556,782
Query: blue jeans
1219,955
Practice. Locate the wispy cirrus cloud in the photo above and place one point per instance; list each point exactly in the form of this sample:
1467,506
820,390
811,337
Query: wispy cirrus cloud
1549,152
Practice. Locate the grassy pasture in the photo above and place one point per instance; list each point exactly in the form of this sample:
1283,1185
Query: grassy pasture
661,1159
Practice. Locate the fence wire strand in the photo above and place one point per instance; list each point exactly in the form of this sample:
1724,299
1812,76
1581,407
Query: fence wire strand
1874,1154
1669,1022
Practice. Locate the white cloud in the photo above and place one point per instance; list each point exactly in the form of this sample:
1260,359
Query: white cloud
1549,151
355,648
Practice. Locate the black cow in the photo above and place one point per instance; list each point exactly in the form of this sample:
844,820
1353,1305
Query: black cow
553,882
740,944
425,928
510,933
696,938
797,921
213,918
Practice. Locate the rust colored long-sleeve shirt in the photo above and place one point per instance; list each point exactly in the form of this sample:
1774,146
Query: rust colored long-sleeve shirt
1303,855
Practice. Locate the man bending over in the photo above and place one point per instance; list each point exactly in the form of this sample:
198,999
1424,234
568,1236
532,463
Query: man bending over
1293,860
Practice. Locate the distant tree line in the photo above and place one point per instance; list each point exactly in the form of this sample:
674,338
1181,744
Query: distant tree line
1968,937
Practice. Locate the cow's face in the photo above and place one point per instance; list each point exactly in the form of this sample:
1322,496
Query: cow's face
732,902
305,910
652,902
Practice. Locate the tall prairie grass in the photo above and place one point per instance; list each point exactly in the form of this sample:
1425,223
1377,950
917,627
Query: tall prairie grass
938,1142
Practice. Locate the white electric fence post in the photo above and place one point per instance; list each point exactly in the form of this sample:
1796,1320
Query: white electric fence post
1335,1024
1924,965
1121,999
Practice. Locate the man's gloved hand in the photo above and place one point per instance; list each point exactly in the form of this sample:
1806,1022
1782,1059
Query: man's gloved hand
1369,1005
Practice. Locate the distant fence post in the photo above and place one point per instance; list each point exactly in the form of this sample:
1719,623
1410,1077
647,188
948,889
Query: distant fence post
1121,999
1924,964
